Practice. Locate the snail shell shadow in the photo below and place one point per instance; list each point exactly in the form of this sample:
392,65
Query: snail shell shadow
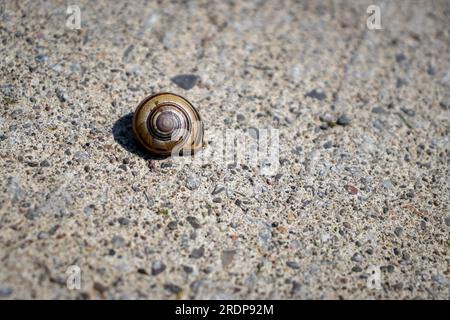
123,135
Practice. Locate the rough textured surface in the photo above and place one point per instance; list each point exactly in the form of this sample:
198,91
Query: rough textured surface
364,135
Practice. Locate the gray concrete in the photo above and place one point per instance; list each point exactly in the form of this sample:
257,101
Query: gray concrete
368,192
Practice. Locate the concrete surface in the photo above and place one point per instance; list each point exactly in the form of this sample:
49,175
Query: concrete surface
370,193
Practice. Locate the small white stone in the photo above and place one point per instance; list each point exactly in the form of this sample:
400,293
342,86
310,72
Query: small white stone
192,181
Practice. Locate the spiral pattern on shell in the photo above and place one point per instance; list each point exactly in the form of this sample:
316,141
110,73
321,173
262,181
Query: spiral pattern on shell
166,123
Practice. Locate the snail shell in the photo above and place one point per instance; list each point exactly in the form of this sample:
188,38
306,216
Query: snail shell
167,123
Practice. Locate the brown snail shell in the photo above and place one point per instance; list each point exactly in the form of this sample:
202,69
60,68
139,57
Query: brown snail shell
166,123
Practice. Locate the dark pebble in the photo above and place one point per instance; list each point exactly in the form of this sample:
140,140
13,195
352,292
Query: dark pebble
185,81
444,106
240,117
208,270
31,214
231,166
398,286
5,292
42,235
398,231
188,269
123,221
142,271
293,265
100,287
217,200
296,286
195,285
217,190
157,267
41,58
172,225
423,225
343,120
399,57
328,145
378,110
32,164
172,288
410,194
127,52
193,221
53,230
197,253
400,83
45,163
408,112
62,95
356,269
316,94
297,150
